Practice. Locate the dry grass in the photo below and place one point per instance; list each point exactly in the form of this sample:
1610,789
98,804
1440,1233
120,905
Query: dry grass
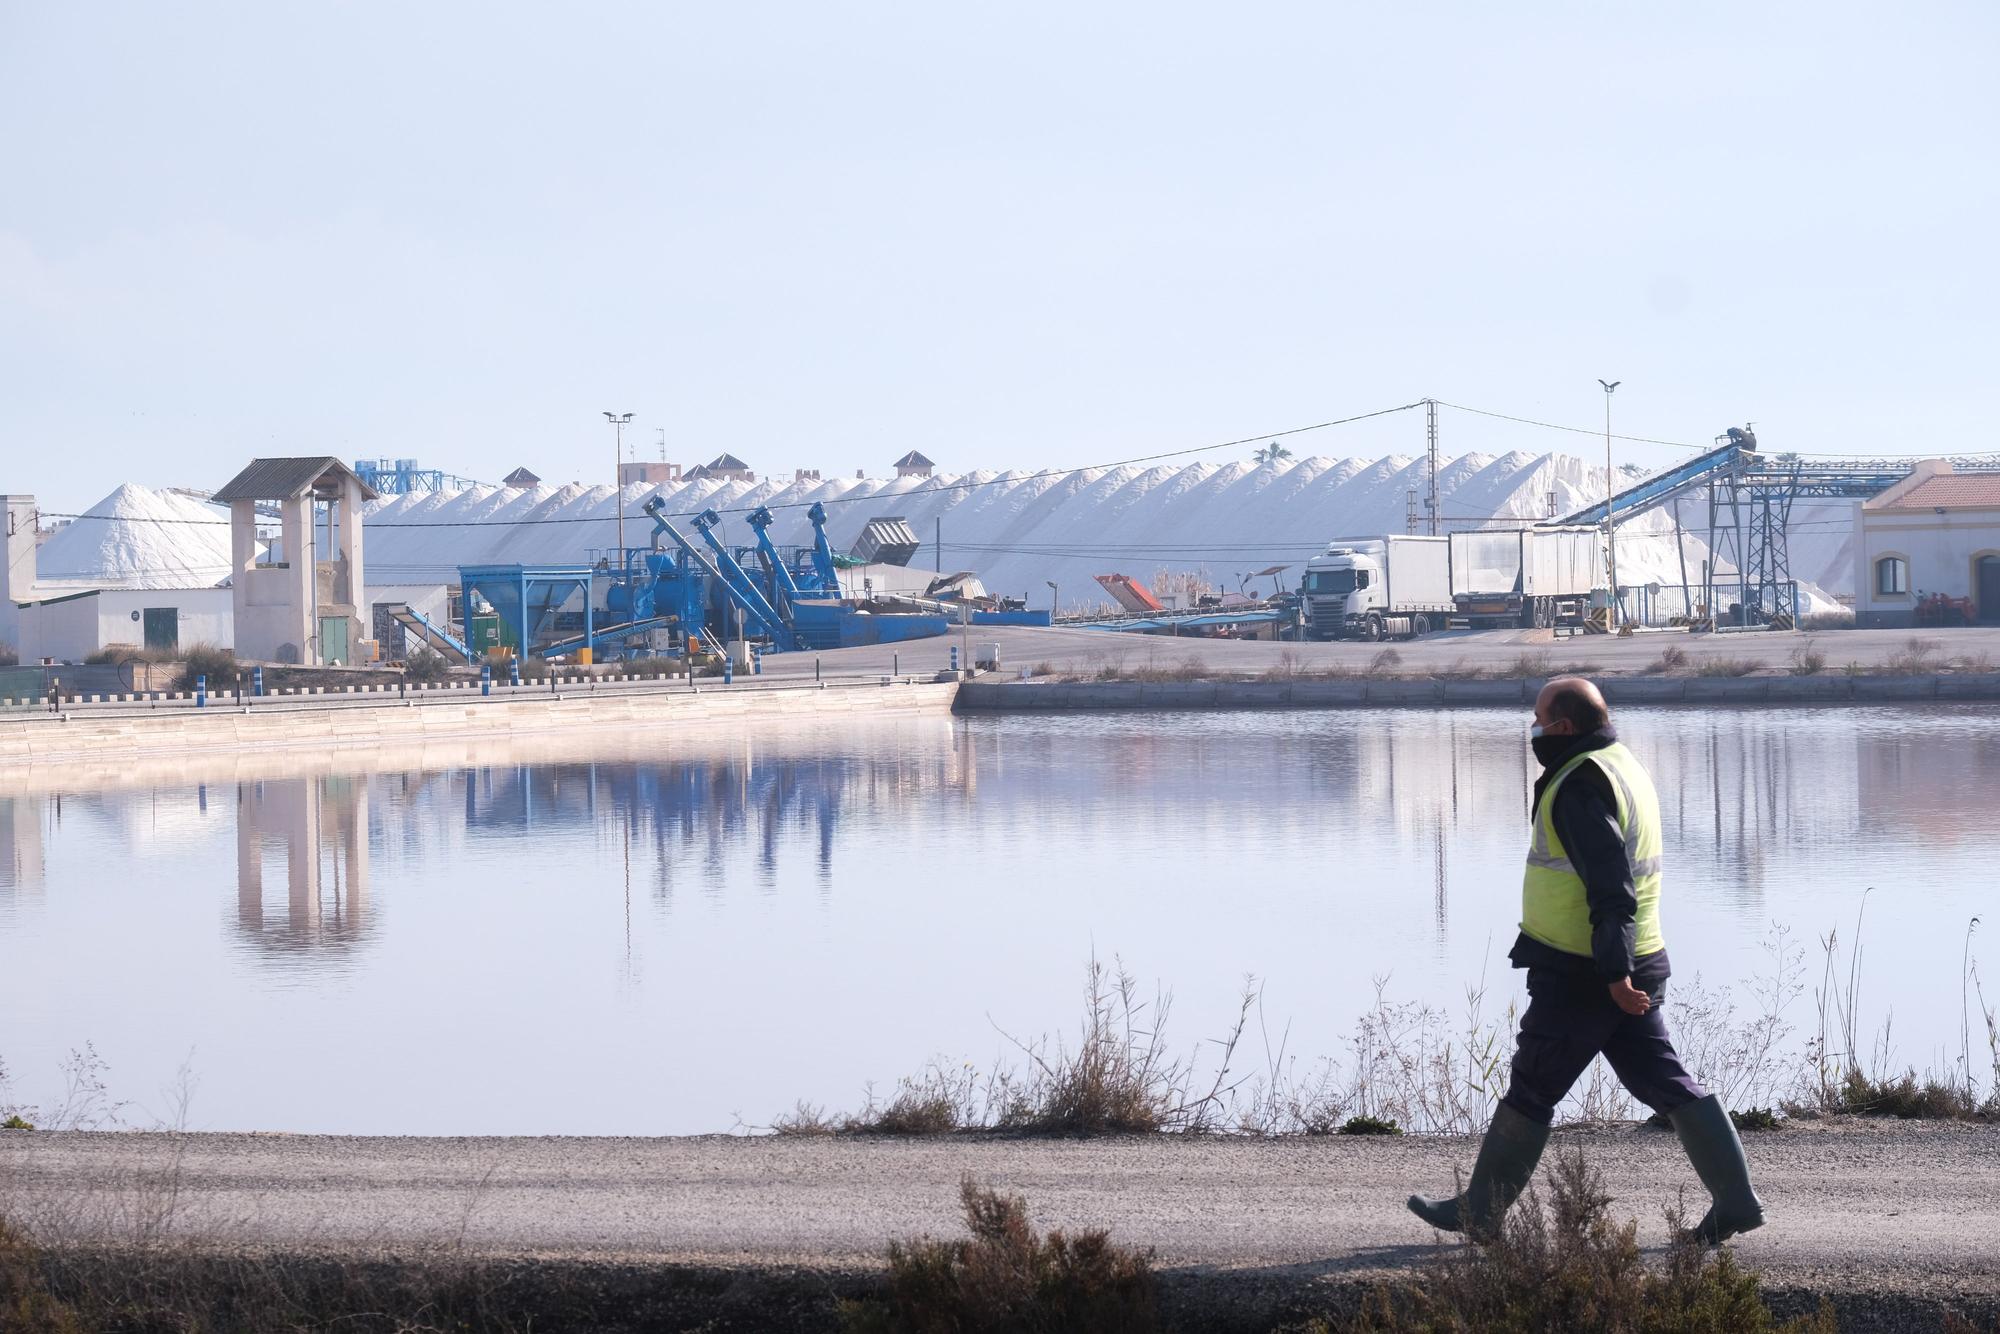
1531,666
1565,1265
1807,660
1917,657
1722,666
1672,659
1827,620
1005,1278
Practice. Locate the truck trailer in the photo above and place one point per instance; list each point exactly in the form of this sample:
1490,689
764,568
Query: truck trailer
1528,577
1378,588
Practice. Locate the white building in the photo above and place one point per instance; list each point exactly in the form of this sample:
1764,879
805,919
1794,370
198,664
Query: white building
1934,532
141,582
70,627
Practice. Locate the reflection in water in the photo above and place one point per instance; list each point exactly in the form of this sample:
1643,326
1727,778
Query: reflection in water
814,908
21,844
320,827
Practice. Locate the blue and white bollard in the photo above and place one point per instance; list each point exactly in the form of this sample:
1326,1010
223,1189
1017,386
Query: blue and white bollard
728,668
257,681
954,659
201,691
513,671
485,678
756,662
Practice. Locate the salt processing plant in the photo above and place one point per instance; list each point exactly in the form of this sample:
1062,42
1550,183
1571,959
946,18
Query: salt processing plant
717,561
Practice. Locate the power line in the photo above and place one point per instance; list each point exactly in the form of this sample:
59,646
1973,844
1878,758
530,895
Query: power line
914,493
1578,430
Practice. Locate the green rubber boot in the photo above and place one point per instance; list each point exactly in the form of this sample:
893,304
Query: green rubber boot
1507,1158
1709,1137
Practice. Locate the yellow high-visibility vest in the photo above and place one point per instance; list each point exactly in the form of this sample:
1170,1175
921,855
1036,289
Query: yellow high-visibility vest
1555,908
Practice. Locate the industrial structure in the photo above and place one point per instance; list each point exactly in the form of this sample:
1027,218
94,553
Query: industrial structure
292,606
1735,538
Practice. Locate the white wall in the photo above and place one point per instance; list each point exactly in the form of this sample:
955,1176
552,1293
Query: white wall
72,629
1940,549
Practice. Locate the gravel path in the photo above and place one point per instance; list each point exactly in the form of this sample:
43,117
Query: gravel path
1855,1207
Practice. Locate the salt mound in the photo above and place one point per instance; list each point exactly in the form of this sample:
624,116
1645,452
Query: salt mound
1022,530
140,538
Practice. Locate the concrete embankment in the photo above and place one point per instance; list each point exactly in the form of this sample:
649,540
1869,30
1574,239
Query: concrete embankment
370,720
1000,696
1892,1222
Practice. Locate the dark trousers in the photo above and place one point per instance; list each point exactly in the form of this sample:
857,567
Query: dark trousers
1571,1019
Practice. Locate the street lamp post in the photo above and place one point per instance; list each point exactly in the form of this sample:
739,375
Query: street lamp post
618,424
1610,490
1055,600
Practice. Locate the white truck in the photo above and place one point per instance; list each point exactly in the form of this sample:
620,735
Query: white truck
1378,588
1529,577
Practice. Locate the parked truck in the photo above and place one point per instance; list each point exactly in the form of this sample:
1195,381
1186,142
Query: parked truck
1529,577
1380,588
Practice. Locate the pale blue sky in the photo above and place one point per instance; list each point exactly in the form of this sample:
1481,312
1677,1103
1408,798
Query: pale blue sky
1018,235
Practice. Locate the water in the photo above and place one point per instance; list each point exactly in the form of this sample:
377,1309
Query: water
660,933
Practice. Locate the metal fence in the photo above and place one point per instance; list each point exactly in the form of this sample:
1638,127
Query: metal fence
1668,605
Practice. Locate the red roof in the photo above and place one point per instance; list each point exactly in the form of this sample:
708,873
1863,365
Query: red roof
1951,491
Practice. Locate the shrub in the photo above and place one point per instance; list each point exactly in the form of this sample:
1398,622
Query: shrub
1908,1098
117,655
1807,660
1756,1118
1566,1266
1369,1125
1532,665
1673,658
1973,662
1917,657
217,664
9,656
15,1121
1384,662
1726,667
426,665
1827,620
1007,1279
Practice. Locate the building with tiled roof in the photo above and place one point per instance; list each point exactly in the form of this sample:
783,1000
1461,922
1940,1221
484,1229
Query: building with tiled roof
1927,550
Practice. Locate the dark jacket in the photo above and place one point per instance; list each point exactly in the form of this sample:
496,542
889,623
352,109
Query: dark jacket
1585,816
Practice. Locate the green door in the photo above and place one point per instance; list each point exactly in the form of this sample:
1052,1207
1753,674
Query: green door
163,627
333,639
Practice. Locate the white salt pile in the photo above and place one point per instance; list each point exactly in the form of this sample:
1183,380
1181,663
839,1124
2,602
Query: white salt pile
1021,530
140,538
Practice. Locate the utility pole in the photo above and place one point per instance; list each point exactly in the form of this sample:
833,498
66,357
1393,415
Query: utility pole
937,547
1610,491
618,424
1431,433
1410,514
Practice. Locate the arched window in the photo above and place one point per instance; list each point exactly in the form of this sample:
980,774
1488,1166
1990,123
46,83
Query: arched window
1892,577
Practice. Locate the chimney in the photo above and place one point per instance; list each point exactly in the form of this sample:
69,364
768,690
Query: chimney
17,577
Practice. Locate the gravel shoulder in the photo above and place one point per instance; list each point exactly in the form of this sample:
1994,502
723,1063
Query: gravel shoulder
1864,1208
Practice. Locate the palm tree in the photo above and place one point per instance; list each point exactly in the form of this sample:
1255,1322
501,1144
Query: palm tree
1272,452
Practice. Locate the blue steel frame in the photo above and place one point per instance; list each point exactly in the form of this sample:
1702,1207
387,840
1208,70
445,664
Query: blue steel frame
547,578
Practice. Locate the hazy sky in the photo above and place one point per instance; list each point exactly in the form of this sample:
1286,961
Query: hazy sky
1010,235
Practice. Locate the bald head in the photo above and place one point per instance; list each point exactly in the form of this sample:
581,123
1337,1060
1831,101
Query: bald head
1573,701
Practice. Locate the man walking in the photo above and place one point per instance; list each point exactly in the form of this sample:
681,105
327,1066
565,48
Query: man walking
1597,974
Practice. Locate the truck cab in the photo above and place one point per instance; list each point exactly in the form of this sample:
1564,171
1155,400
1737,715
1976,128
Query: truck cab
1341,585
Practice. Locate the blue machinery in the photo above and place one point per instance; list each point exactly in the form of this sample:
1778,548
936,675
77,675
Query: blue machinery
701,590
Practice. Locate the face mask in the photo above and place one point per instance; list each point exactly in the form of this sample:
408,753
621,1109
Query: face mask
1549,749
1535,732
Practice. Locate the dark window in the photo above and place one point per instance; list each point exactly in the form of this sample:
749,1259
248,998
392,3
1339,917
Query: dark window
1892,576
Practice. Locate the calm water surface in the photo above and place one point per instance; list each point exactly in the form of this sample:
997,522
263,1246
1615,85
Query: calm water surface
660,933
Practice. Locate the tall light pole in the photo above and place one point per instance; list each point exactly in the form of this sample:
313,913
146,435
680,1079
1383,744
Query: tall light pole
618,477
1610,490
1055,600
